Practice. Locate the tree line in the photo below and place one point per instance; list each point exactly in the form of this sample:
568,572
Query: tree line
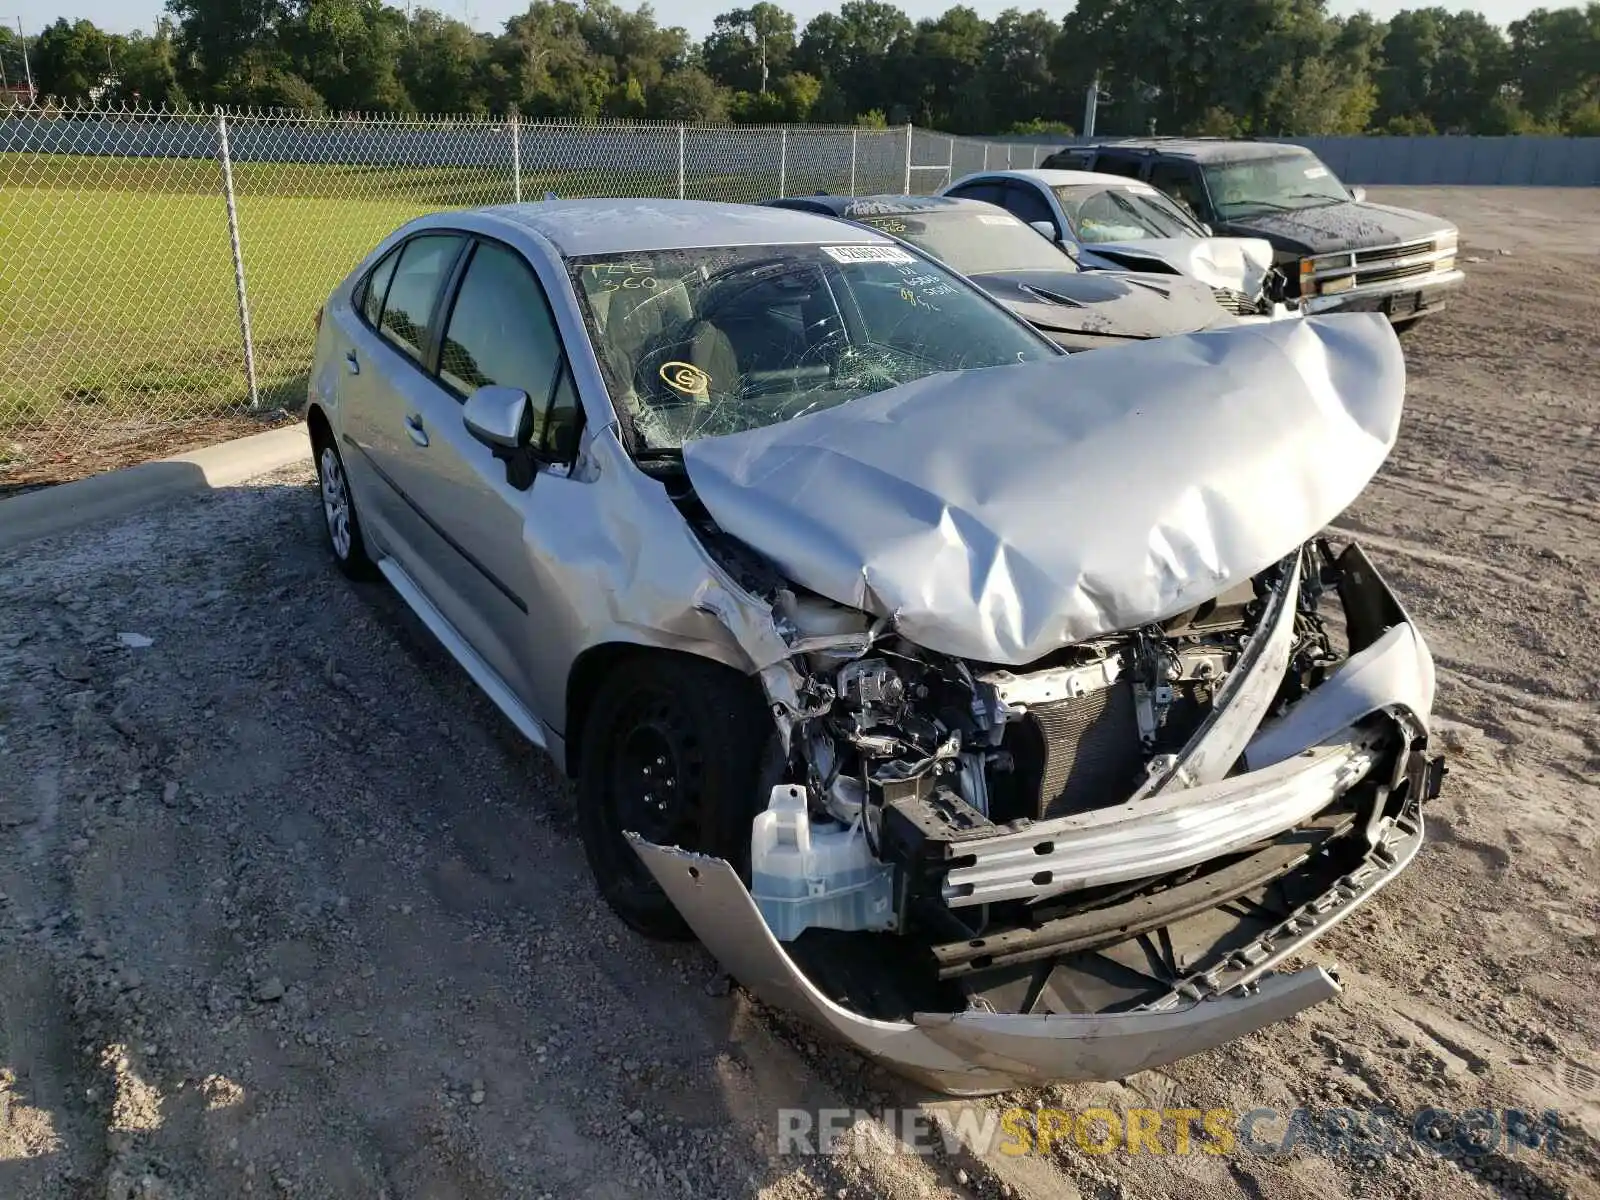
1224,67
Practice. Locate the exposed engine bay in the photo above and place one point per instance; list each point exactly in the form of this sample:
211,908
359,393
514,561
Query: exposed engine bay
926,773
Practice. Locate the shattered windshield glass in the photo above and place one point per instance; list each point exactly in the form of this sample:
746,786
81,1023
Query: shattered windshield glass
699,343
1281,183
1122,214
975,242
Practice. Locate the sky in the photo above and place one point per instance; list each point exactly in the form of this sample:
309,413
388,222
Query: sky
122,16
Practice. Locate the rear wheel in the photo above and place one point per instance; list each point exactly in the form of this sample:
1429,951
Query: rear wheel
339,512
677,750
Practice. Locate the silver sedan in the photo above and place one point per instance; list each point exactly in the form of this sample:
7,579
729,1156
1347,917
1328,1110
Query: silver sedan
998,710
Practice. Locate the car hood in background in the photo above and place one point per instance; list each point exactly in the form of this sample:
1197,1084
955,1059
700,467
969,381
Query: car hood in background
998,514
1230,262
1112,304
1329,228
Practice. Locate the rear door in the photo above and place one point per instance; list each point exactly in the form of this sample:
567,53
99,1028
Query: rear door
385,366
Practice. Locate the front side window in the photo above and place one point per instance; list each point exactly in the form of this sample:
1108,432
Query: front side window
500,329
424,262
698,343
973,241
1179,181
1024,201
1129,213
1280,183
989,193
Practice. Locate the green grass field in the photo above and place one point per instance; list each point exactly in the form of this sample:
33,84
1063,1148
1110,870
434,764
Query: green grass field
117,301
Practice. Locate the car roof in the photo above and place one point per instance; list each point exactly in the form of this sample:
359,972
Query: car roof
623,226
1199,149
1055,178
886,204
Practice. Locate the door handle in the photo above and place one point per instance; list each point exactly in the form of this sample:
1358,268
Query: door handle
351,361
414,429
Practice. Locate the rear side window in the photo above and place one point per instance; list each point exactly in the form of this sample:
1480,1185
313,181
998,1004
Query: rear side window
1069,160
500,330
376,286
1118,165
424,262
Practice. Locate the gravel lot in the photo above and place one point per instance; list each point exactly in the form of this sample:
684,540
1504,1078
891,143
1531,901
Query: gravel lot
287,908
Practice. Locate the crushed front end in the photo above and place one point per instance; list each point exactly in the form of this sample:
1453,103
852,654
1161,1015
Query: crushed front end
1088,865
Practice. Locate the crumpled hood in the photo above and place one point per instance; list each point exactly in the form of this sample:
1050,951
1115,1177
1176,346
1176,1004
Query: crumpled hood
1238,263
1111,303
999,514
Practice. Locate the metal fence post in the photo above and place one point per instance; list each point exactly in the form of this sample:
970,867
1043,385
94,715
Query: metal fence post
238,259
516,157
783,161
853,133
680,162
986,156
909,127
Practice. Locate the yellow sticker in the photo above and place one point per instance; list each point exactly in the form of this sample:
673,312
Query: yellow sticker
686,378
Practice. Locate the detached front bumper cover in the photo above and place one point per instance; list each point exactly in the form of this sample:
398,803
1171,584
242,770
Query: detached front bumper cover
979,1053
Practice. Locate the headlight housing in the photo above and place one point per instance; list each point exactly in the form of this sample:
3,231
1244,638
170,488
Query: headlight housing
1327,274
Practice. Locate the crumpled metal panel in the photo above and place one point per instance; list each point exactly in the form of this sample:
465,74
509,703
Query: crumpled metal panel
1396,671
1231,262
969,1053
1000,514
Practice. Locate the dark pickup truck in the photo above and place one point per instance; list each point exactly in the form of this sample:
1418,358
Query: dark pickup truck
1340,251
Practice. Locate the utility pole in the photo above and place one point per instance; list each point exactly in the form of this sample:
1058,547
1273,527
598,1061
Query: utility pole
31,96
763,64
1091,105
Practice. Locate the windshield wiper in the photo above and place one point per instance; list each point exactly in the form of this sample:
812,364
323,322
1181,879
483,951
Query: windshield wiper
1272,204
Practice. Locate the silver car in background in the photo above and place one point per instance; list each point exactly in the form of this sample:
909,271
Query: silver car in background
1001,711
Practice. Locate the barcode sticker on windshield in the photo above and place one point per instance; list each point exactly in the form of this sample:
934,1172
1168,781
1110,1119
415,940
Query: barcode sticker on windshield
860,254
996,219
1316,172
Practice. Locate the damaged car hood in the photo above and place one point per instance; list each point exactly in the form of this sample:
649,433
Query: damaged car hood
1230,262
999,514
1111,303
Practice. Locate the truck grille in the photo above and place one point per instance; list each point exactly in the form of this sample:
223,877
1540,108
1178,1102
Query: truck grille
1376,266
1092,754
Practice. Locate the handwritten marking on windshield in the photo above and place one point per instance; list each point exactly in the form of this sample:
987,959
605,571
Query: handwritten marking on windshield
686,378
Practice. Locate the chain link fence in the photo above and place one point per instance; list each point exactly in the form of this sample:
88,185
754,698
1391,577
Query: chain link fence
159,272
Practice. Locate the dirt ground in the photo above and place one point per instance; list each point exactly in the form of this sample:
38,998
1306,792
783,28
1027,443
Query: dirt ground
288,909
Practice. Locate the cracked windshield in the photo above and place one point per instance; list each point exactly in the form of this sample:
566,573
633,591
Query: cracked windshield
698,343
1279,184
1122,214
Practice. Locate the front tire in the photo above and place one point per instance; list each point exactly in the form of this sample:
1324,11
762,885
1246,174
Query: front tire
339,518
676,749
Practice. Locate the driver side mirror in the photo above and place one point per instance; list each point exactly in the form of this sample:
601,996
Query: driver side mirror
1358,193
499,417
